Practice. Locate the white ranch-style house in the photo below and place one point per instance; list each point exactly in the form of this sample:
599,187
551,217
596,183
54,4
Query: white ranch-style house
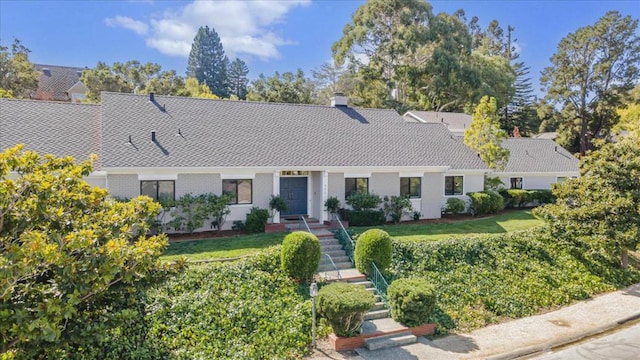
164,146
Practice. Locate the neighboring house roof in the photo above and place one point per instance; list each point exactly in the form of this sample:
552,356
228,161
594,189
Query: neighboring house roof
78,87
527,155
546,135
51,127
194,132
454,121
55,81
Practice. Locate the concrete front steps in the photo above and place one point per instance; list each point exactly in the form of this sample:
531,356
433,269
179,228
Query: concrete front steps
379,331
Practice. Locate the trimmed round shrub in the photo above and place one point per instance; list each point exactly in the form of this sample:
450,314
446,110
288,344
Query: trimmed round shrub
256,220
455,206
300,255
344,306
373,246
412,301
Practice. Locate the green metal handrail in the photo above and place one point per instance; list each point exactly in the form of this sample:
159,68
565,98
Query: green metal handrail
379,282
345,239
301,218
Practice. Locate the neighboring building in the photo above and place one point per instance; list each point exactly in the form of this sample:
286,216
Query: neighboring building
59,83
546,135
536,164
165,146
457,123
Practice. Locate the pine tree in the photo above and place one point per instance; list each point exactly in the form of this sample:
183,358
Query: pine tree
237,76
208,63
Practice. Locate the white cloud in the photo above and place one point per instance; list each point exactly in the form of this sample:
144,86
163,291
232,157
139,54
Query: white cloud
244,27
138,27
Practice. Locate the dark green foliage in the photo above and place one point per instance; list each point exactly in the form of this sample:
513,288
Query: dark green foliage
373,246
412,301
208,63
598,212
454,206
238,225
237,77
246,309
485,202
256,220
300,255
344,306
482,279
364,201
286,88
364,217
395,206
416,215
332,204
191,212
277,203
519,198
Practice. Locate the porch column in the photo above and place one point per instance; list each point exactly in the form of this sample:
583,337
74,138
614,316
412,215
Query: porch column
276,191
325,195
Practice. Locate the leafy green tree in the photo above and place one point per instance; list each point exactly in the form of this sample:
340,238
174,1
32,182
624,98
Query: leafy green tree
589,72
72,260
238,81
329,79
599,211
385,33
208,63
17,74
194,89
630,115
131,77
485,135
285,88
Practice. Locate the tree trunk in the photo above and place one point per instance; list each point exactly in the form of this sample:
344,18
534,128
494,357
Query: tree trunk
624,262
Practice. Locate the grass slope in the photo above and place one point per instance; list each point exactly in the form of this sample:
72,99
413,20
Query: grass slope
504,223
222,247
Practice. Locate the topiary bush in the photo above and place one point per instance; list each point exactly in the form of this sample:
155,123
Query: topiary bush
454,206
373,245
364,217
412,301
300,255
485,202
256,220
344,306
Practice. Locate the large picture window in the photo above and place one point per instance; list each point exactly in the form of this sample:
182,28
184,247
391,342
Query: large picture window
352,185
453,185
159,190
516,183
241,190
410,186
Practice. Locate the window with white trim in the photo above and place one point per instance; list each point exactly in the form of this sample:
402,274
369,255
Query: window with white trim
411,187
353,185
240,189
516,183
159,190
453,185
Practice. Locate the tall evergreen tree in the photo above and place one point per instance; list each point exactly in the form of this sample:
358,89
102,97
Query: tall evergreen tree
237,77
208,63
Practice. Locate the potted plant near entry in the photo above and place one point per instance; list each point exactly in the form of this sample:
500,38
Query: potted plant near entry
332,205
276,204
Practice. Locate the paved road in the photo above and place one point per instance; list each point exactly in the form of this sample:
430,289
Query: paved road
620,345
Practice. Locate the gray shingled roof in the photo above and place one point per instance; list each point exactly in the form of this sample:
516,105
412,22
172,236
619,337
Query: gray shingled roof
454,121
54,83
245,134
538,155
51,127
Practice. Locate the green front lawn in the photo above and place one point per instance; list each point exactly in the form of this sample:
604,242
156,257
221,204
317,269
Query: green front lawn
504,223
219,248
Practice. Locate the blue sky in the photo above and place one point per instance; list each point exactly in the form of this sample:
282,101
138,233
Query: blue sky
269,35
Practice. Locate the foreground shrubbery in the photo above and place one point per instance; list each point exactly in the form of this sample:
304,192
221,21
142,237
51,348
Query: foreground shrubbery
482,279
344,306
242,310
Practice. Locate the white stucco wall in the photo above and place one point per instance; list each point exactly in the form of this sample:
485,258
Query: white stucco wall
197,184
336,186
123,185
535,182
432,195
384,184
316,204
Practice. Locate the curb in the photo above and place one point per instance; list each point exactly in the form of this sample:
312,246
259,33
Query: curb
540,348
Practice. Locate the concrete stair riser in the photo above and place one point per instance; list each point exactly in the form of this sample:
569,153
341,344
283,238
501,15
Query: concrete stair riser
330,267
383,342
336,259
376,314
327,248
334,253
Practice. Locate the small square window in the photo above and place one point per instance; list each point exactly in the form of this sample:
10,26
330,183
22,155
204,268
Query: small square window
352,185
516,183
453,185
411,187
241,190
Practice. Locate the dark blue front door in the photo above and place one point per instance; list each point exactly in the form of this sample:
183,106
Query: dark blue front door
294,192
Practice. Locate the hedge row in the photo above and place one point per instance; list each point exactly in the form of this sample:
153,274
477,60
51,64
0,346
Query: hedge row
483,279
518,197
